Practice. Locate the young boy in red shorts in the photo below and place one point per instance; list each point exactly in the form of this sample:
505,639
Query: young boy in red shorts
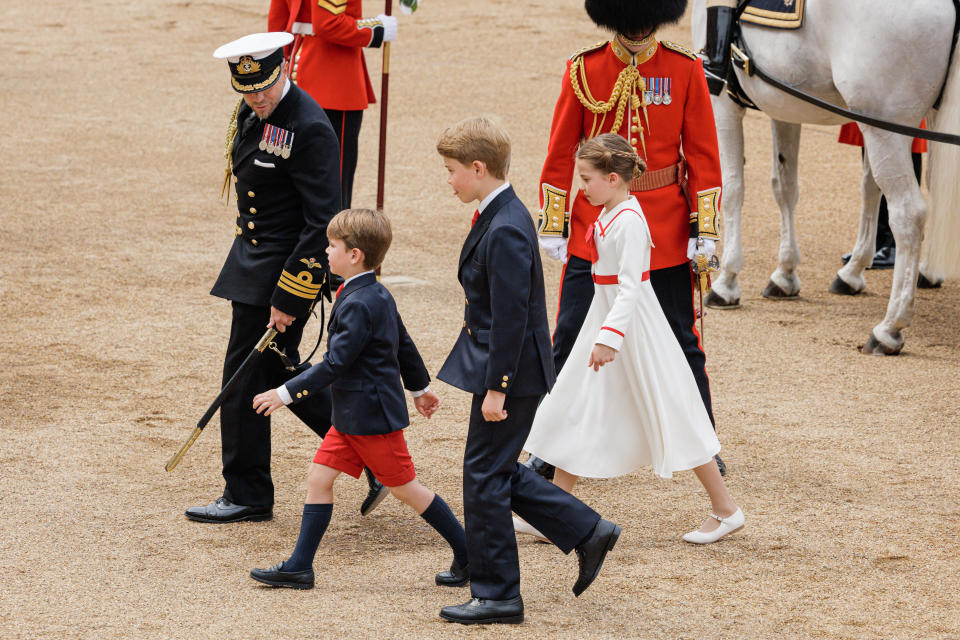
368,354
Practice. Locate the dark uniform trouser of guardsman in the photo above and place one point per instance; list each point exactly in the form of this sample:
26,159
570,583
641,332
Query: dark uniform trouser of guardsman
346,124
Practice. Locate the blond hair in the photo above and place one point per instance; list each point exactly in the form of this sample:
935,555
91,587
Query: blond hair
611,153
478,138
363,229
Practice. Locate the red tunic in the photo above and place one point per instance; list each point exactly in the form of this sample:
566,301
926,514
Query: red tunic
331,67
684,126
850,134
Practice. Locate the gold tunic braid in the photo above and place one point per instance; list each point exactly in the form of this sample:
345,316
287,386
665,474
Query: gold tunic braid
228,149
629,85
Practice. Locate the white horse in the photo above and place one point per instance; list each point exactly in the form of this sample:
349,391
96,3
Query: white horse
884,58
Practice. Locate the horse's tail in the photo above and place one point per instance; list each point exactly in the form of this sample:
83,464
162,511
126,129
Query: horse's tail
942,259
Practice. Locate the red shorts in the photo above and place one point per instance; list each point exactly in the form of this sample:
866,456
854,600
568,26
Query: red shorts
385,455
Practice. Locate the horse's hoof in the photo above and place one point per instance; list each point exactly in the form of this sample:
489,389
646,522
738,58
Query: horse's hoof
923,282
840,287
714,301
774,291
876,348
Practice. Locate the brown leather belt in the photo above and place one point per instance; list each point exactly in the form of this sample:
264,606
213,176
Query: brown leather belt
658,179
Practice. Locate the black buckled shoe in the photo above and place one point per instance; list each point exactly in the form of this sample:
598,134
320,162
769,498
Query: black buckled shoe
376,494
457,576
884,258
222,510
276,577
479,611
590,554
540,467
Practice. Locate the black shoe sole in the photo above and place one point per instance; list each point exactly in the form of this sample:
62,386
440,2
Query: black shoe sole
251,518
617,529
366,508
277,583
501,620
462,583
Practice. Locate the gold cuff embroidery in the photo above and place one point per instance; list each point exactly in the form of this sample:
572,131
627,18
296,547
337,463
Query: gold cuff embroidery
300,285
554,218
708,221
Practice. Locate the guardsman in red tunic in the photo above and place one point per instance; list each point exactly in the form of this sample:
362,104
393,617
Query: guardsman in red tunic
655,95
331,66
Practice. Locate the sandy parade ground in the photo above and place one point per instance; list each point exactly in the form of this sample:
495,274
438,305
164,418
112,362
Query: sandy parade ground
115,112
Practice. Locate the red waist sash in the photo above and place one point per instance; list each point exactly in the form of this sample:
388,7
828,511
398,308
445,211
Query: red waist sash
615,280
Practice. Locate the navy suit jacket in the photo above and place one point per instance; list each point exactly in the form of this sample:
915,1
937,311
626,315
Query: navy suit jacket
368,353
505,341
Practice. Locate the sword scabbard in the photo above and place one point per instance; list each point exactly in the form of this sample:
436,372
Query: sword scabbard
175,458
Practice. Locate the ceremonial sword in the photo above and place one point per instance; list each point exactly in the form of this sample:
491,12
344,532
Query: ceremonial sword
702,267
248,362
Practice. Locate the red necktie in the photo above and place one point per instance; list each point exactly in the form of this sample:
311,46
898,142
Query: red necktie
339,289
591,243
476,214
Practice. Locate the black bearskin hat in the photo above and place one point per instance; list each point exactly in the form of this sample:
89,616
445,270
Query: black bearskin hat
634,17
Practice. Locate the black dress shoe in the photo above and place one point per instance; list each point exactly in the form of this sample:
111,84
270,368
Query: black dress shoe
721,465
884,258
222,510
457,576
478,611
376,494
276,577
540,467
591,553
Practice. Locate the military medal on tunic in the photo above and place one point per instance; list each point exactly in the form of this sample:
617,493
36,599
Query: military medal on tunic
271,138
287,145
263,139
281,137
666,91
657,90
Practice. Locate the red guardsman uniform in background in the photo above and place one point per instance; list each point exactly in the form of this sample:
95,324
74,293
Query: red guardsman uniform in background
331,66
657,99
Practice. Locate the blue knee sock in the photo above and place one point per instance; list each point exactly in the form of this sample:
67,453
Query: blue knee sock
439,516
316,517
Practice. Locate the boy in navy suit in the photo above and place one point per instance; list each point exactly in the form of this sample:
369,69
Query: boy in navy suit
368,354
503,357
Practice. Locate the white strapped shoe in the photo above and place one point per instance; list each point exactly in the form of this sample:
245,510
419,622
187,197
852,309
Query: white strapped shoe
521,526
727,526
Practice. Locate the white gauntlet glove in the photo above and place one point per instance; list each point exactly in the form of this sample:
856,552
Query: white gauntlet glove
389,27
708,248
555,248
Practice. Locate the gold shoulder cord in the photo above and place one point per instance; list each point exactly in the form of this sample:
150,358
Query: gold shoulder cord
228,150
628,89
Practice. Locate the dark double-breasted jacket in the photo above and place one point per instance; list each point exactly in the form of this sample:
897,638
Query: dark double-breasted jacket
284,202
505,341
369,353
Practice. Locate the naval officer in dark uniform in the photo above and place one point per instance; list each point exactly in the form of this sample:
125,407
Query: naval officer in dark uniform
285,167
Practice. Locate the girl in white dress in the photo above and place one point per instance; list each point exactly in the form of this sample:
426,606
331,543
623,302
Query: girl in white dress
635,403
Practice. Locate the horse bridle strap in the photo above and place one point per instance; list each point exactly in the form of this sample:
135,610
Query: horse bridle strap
741,58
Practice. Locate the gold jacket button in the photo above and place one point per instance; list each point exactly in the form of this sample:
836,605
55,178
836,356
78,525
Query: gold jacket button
556,205
633,141
503,384
469,333
505,378
305,392
299,395
252,210
250,225
251,193
254,242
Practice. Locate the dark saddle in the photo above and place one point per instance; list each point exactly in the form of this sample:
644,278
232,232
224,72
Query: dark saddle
778,14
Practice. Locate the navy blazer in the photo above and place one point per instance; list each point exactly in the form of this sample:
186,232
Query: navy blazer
368,352
505,341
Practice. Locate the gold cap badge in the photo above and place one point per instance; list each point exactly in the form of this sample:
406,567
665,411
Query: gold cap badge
248,65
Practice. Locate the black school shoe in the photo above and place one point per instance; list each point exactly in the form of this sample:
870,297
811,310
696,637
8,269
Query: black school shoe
479,611
222,510
884,258
375,495
276,577
590,554
457,576
540,467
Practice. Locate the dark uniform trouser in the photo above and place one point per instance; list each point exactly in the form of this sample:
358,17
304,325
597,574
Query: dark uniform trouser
244,434
494,484
346,124
674,287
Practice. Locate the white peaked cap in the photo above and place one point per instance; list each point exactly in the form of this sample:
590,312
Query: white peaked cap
255,45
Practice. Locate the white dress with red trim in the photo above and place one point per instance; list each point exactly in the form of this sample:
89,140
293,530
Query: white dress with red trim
642,409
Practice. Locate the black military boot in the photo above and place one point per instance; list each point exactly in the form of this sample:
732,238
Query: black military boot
716,55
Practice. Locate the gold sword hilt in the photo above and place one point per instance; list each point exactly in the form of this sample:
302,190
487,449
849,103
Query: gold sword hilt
175,458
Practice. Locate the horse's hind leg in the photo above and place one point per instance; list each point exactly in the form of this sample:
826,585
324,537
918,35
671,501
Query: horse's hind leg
729,117
784,282
892,169
850,280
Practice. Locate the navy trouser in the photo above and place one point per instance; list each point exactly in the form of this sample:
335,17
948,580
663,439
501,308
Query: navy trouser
244,434
674,287
494,484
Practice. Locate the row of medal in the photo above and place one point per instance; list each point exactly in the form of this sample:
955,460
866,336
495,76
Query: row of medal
657,91
276,141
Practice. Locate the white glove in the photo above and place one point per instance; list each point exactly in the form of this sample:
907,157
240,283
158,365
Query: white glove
409,6
555,248
389,27
708,248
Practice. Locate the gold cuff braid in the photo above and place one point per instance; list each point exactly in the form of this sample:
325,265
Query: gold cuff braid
554,219
708,220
